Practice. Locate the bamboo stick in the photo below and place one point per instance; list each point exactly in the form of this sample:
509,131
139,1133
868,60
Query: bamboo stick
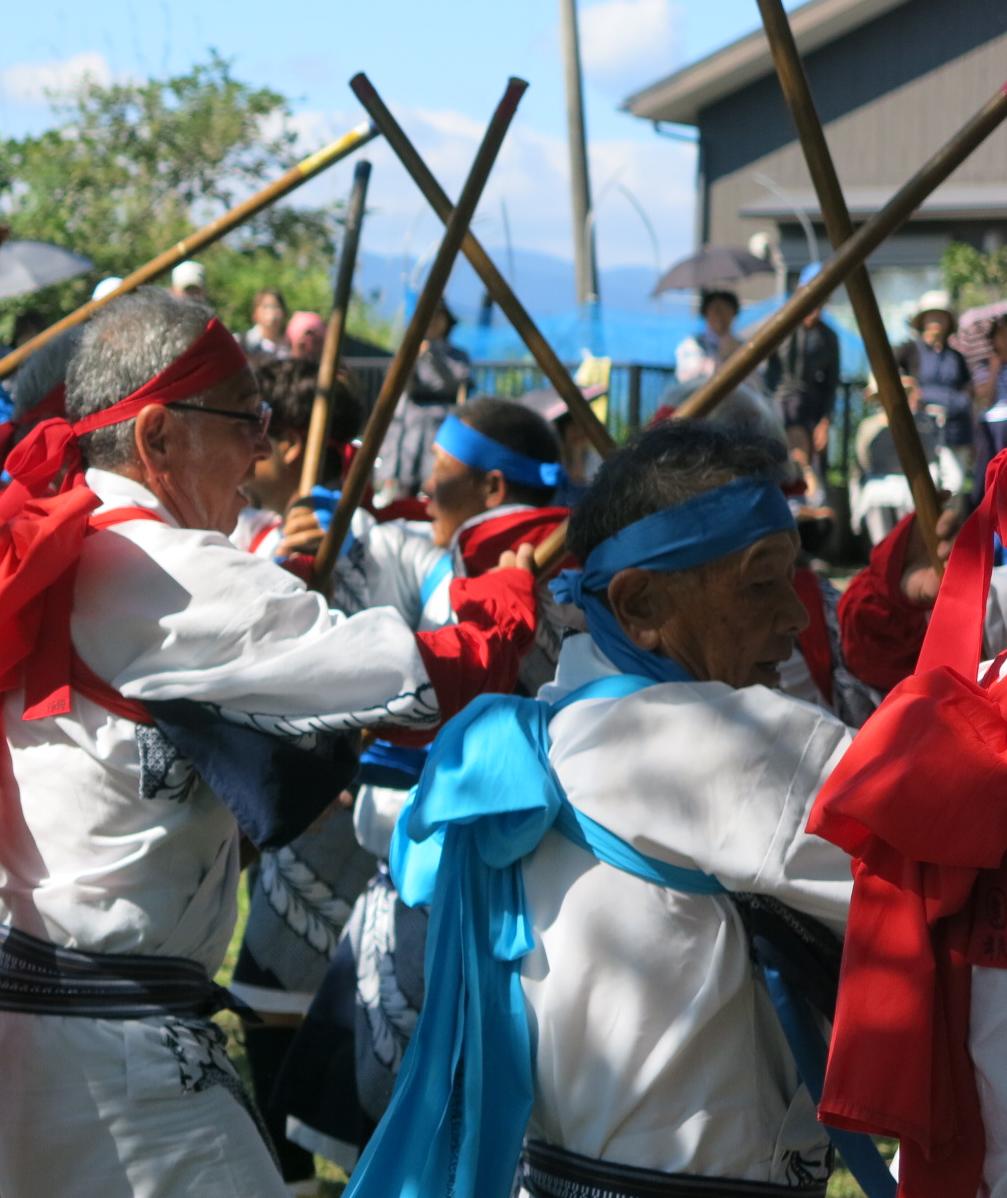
322,407
306,169
851,254
405,359
494,282
905,435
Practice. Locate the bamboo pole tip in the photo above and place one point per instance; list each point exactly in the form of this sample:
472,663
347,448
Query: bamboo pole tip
516,88
362,86
362,169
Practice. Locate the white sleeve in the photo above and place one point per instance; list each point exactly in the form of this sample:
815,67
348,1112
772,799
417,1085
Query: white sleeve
718,779
168,613
398,562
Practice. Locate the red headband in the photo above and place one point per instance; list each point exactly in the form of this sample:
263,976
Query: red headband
213,357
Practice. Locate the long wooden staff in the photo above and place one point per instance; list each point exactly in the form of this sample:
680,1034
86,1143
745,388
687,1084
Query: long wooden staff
405,359
852,253
322,407
905,435
306,169
494,282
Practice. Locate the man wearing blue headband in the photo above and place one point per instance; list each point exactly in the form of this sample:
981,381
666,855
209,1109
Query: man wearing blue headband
495,468
592,861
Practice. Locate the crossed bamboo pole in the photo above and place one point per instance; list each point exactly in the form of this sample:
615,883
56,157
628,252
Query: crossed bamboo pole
848,257
402,364
494,282
851,254
304,170
322,407
794,83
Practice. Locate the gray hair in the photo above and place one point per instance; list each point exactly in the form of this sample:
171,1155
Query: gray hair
126,344
745,410
44,370
663,467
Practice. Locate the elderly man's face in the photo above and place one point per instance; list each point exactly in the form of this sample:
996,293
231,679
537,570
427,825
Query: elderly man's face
198,462
733,621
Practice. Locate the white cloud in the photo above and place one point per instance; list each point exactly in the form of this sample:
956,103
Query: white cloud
630,42
530,178
32,82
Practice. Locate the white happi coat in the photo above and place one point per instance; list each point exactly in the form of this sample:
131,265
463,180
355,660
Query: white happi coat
656,1046
88,861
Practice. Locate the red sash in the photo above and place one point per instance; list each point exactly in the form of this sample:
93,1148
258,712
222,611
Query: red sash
920,803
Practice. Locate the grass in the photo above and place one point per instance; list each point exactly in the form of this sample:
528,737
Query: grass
332,1178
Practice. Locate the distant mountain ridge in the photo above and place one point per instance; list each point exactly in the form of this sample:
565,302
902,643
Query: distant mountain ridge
544,284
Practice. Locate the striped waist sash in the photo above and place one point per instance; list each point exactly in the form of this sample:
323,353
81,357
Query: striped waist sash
39,978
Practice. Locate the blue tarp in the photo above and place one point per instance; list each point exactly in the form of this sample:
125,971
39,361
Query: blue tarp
648,338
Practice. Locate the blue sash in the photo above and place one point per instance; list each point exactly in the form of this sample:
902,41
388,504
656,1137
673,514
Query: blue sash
441,570
487,798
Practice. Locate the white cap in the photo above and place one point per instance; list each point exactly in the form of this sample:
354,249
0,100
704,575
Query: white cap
188,274
105,286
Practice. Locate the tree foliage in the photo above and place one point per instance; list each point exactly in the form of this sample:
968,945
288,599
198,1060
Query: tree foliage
130,168
974,278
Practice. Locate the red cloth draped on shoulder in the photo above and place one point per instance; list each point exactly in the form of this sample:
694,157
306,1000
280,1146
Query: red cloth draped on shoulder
44,515
481,545
496,610
882,631
920,803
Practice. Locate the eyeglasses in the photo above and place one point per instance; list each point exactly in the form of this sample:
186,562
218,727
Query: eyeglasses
259,418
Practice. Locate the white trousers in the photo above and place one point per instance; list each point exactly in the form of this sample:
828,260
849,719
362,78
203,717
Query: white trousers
101,1108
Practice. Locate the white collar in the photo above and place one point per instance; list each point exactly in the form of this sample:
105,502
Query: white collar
116,490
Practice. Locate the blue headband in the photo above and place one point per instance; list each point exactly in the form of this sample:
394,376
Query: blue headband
710,526
480,452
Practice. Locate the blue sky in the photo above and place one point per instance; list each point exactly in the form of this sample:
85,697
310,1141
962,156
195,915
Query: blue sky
441,66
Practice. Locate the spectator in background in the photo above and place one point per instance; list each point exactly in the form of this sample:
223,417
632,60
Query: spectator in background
267,336
188,281
802,376
991,426
439,381
306,335
879,491
942,373
699,357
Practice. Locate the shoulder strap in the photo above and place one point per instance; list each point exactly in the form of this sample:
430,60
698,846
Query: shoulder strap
82,678
440,570
262,533
121,515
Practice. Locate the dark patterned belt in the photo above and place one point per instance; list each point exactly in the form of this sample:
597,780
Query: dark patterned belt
550,1172
39,978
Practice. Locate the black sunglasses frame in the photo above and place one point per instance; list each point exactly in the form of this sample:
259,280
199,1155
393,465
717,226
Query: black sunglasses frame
260,419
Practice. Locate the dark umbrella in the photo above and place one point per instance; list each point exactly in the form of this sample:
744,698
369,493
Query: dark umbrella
713,264
27,266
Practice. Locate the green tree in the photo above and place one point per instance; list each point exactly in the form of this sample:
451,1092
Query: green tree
972,277
130,168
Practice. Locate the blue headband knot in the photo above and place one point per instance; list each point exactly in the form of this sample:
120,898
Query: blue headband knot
480,452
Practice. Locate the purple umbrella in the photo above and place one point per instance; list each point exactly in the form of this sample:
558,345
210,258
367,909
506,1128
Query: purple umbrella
712,265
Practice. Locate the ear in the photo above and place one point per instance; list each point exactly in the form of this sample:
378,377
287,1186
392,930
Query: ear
291,447
639,603
154,438
494,489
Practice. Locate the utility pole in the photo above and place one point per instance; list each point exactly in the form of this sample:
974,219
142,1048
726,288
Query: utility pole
580,185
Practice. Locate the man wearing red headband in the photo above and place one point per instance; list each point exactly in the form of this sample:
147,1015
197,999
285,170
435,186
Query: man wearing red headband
162,689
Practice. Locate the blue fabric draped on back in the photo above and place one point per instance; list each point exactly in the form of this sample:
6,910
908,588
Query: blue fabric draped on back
464,1093
710,526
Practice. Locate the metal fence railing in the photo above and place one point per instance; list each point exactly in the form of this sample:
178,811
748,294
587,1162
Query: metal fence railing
635,388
